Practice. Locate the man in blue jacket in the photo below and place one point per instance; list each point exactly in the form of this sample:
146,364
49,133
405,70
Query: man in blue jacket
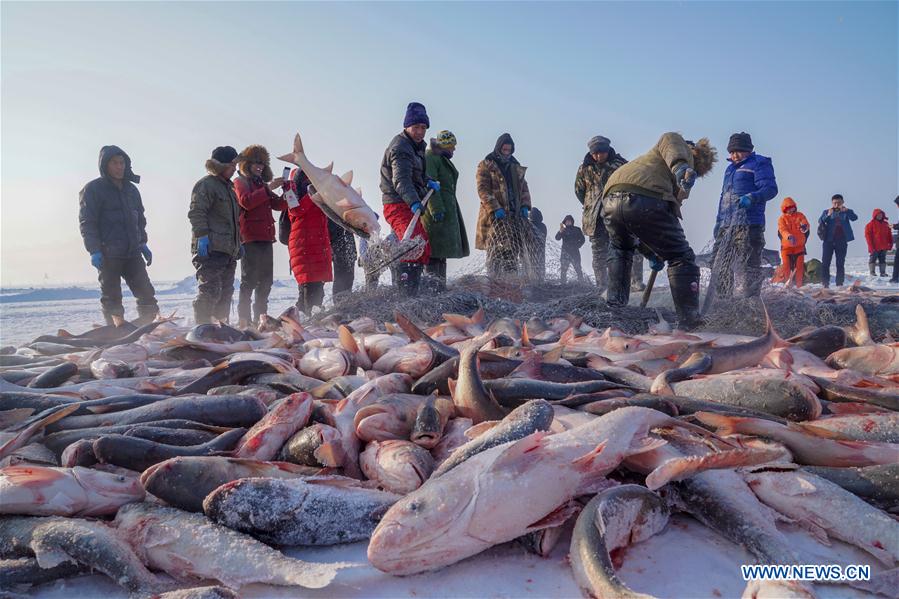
836,233
740,225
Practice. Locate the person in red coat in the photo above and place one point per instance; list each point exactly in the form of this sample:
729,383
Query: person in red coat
254,189
880,241
309,246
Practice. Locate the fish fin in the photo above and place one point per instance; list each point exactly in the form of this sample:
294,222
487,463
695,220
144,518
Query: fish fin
64,333
566,337
159,534
860,332
480,428
457,320
597,485
480,316
517,449
725,425
557,517
451,383
595,361
811,429
359,191
525,338
329,168
412,331
553,355
347,340
31,475
646,444
329,454
681,468
818,532
585,462
347,177
529,367
391,328
50,557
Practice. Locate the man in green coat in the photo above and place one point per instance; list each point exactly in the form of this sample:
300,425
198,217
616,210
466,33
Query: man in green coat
443,219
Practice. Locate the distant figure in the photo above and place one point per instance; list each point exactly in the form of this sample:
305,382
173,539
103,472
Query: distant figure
114,230
540,233
404,184
443,218
749,184
572,239
505,201
880,240
895,277
309,246
836,233
254,189
215,236
793,232
343,257
642,203
598,165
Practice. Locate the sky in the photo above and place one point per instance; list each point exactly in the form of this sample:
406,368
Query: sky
815,83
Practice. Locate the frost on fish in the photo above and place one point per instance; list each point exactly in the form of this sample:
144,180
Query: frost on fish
329,511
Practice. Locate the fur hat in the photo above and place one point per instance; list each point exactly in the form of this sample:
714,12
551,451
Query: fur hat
704,156
222,157
251,154
740,142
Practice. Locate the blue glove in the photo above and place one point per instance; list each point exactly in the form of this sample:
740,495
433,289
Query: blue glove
97,260
147,254
525,211
744,202
438,217
499,214
656,263
203,246
685,176
432,184
416,207
241,252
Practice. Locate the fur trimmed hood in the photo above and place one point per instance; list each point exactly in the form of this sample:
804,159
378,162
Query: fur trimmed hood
215,168
704,156
251,154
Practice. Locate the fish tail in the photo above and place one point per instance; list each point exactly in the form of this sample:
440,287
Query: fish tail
726,425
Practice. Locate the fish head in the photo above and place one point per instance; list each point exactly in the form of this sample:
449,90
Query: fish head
110,483
415,533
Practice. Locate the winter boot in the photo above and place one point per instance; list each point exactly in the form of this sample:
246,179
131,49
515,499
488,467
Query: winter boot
619,290
202,312
685,293
146,315
409,278
871,268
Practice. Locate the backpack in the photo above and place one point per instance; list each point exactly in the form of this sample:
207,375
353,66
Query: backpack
284,227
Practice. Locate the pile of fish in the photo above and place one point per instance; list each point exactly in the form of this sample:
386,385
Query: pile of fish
168,457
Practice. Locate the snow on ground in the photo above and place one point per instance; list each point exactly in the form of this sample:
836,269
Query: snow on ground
686,560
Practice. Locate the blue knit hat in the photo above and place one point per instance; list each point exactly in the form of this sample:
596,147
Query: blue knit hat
416,115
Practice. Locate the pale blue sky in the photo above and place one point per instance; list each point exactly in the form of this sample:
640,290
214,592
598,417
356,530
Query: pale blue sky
815,83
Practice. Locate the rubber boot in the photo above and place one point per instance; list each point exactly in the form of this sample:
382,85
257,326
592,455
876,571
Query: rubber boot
146,315
871,268
409,278
685,293
619,290
202,313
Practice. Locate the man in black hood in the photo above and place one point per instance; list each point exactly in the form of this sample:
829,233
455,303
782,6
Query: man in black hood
114,230
540,233
505,201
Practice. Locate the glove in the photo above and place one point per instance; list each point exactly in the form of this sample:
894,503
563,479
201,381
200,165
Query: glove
656,263
432,184
438,217
499,214
803,228
147,254
525,211
97,260
241,252
203,246
416,207
685,176
790,239
744,202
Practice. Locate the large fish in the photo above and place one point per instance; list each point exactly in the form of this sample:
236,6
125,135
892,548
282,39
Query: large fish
468,509
92,545
326,510
139,454
430,420
57,442
827,510
390,417
871,359
187,545
316,445
397,466
613,520
878,484
334,195
832,391
265,438
26,571
184,482
47,491
883,427
808,446
229,373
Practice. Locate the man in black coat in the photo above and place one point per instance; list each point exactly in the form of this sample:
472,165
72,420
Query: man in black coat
114,230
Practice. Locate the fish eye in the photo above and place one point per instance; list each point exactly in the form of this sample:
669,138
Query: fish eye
416,505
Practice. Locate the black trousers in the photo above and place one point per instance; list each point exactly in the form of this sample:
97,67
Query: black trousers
311,294
134,271
567,260
436,267
832,248
255,277
632,219
599,248
744,249
215,286
343,258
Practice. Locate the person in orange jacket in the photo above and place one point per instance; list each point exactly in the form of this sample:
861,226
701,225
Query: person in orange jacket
880,241
793,231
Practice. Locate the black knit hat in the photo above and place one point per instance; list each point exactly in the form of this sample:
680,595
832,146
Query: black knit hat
740,142
224,154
